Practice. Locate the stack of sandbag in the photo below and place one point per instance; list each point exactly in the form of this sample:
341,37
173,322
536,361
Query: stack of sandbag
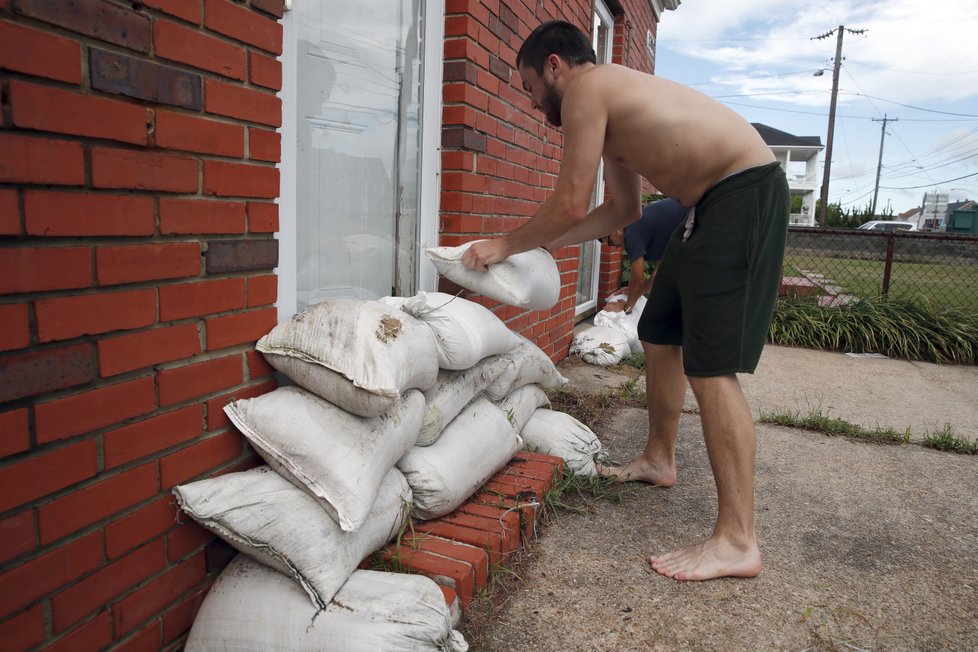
627,325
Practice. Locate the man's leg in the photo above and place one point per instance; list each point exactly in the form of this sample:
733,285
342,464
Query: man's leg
666,390
728,429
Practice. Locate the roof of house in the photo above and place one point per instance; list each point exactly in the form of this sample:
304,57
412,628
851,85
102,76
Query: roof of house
960,205
913,212
777,138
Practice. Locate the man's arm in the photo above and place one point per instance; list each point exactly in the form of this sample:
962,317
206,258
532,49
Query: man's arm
624,207
636,284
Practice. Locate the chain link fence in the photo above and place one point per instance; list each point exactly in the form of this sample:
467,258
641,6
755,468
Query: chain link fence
837,266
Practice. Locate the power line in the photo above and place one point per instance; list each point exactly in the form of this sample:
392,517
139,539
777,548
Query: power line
929,185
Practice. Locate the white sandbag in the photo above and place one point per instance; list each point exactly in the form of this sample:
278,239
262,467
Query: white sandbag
251,607
465,332
601,345
359,355
334,456
451,393
520,405
271,520
626,324
476,444
525,364
560,434
527,280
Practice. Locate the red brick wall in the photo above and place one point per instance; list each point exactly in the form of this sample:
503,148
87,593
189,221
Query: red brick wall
138,147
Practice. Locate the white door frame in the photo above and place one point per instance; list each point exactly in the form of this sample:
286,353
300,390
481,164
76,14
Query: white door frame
430,155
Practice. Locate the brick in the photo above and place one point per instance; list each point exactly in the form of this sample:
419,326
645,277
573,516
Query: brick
540,457
475,557
52,56
50,213
96,408
258,367
99,19
528,509
240,328
124,353
149,262
201,298
262,290
199,216
200,457
463,138
23,631
541,474
9,212
26,159
17,535
508,530
189,10
14,432
42,474
136,608
148,522
264,145
52,109
488,541
36,578
262,217
83,507
193,380
197,49
186,132
234,101
240,255
115,73
145,640
137,170
16,331
241,24
63,318
99,589
274,7
510,519
443,570
178,620
240,180
216,419
264,71
152,435
186,539
45,370
96,634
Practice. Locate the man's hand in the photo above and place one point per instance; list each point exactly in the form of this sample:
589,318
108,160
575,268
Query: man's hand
482,254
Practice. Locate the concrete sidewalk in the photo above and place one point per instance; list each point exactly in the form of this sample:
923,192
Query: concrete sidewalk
865,546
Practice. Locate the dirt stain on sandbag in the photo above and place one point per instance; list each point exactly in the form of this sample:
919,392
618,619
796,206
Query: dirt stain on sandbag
388,329
607,348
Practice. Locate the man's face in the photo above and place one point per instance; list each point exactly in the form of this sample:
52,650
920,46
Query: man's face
543,94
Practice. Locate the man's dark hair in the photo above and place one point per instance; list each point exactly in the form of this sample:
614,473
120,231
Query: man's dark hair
555,37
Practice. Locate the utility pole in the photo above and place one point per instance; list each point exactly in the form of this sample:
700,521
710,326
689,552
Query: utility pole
824,195
879,165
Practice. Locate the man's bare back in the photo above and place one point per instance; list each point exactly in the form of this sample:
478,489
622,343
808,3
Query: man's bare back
680,140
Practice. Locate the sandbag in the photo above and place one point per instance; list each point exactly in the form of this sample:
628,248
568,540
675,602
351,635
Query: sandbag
251,607
452,392
600,345
520,405
476,444
334,456
560,434
626,324
465,332
271,520
527,280
525,364
358,355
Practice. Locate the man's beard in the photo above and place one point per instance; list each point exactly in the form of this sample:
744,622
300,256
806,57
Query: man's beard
551,106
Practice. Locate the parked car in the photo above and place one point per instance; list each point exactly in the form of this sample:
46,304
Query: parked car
888,225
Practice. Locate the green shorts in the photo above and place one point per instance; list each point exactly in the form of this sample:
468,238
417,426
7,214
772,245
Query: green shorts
714,291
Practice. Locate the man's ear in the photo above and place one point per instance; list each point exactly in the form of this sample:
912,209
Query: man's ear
554,65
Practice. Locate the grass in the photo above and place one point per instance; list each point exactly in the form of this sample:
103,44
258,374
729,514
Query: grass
948,286
898,329
945,440
578,493
818,421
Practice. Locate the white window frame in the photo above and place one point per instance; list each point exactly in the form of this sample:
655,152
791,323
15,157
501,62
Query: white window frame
430,157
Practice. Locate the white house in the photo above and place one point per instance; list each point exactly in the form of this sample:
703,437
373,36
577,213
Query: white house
800,156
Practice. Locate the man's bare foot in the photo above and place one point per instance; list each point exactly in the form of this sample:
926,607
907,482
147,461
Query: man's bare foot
640,470
711,559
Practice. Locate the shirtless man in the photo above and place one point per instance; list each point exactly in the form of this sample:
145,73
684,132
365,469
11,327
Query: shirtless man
714,294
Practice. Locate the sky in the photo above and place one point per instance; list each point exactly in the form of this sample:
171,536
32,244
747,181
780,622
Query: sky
916,64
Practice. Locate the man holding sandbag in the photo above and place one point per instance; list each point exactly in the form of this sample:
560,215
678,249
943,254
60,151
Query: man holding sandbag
717,283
